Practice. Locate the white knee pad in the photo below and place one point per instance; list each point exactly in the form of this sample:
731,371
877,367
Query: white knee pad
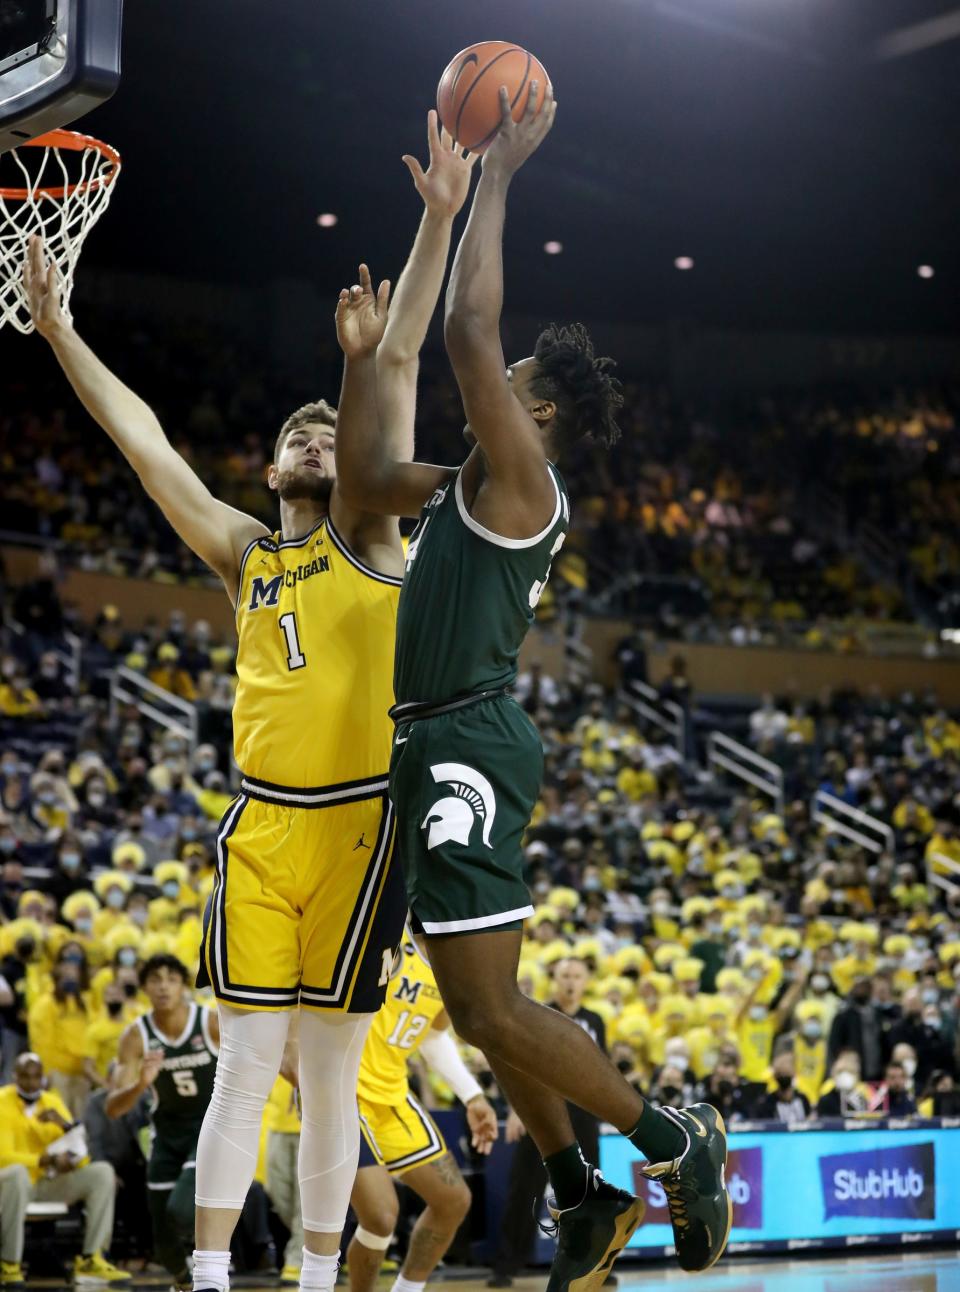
330,1049
251,1048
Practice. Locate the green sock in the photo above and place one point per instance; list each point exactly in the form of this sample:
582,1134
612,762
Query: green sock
568,1172
656,1137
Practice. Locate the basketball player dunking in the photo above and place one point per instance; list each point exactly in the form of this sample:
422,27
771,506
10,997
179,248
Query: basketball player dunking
308,908
466,761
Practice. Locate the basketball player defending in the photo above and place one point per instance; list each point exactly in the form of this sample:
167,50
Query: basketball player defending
307,910
466,762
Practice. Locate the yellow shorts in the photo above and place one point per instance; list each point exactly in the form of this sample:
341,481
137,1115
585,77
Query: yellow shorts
398,1136
308,903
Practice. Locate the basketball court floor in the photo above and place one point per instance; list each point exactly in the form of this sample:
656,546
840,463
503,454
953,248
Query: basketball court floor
901,1272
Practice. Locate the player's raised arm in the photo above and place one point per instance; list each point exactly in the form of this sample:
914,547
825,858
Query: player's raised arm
507,433
443,186
218,534
136,1073
369,478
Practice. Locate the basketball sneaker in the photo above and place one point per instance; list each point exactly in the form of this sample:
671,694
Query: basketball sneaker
11,1276
701,1211
97,1269
591,1235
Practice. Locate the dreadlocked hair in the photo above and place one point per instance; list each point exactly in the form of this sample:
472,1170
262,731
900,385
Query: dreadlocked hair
582,386
320,411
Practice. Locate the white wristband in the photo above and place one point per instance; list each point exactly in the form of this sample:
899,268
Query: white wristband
441,1053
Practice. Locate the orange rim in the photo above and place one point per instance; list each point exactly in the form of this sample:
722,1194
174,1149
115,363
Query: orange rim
70,141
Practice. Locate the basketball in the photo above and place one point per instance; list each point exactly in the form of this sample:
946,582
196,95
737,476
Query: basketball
468,94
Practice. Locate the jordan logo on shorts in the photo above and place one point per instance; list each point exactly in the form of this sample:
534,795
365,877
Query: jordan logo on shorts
451,818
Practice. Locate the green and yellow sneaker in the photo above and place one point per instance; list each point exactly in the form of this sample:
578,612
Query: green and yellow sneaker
695,1184
592,1235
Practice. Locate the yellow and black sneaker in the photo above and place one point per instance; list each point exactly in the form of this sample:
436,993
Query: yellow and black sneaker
592,1235
11,1276
695,1184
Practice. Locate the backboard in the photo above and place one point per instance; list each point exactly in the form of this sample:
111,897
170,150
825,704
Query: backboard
58,59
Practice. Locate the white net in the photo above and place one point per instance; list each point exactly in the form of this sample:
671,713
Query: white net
57,190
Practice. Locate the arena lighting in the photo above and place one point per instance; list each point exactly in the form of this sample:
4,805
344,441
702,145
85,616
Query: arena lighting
327,220
925,271
553,248
683,262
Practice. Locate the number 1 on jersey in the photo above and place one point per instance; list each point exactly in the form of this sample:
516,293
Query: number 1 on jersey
288,626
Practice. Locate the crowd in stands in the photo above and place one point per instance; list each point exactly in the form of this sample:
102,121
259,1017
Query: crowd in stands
699,521
748,956
737,955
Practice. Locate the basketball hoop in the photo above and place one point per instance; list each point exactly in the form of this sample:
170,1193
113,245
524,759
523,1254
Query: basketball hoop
68,181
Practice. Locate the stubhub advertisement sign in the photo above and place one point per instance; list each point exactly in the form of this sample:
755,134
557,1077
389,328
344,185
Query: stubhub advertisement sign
812,1187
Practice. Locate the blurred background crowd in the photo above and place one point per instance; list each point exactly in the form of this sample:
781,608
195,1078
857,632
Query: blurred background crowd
736,946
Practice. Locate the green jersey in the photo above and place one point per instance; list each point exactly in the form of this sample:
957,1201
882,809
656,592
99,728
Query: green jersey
468,598
184,1084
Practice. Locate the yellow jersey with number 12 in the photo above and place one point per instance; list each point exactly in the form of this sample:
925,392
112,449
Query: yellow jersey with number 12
316,629
399,1029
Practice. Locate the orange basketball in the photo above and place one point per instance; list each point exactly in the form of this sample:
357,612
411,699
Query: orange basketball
468,94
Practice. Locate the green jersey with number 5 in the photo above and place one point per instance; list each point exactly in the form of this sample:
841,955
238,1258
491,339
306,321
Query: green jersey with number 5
468,598
184,1085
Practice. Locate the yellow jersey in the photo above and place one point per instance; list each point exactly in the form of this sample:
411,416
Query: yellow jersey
316,630
399,1029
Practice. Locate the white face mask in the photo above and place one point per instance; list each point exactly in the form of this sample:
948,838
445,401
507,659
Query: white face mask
845,1081
910,1066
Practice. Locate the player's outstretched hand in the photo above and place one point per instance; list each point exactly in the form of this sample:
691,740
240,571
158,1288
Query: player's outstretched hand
42,286
446,182
362,316
515,141
482,1121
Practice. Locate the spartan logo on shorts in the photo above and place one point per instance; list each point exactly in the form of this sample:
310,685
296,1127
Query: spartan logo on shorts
471,798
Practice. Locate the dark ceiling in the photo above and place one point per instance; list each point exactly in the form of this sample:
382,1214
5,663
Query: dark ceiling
762,137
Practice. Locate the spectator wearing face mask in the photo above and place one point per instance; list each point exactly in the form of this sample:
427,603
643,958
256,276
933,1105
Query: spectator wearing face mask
57,1025
857,1027
784,1101
810,1048
671,1089
123,945
79,912
820,988
922,1028
134,834
844,1095
113,888
725,1090
49,812
175,896
906,1056
96,806
69,872
54,764
103,1034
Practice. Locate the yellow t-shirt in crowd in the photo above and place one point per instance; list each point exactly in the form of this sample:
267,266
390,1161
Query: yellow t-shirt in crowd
57,1032
23,1137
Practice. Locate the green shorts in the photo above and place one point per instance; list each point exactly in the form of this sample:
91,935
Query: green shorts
171,1153
464,785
